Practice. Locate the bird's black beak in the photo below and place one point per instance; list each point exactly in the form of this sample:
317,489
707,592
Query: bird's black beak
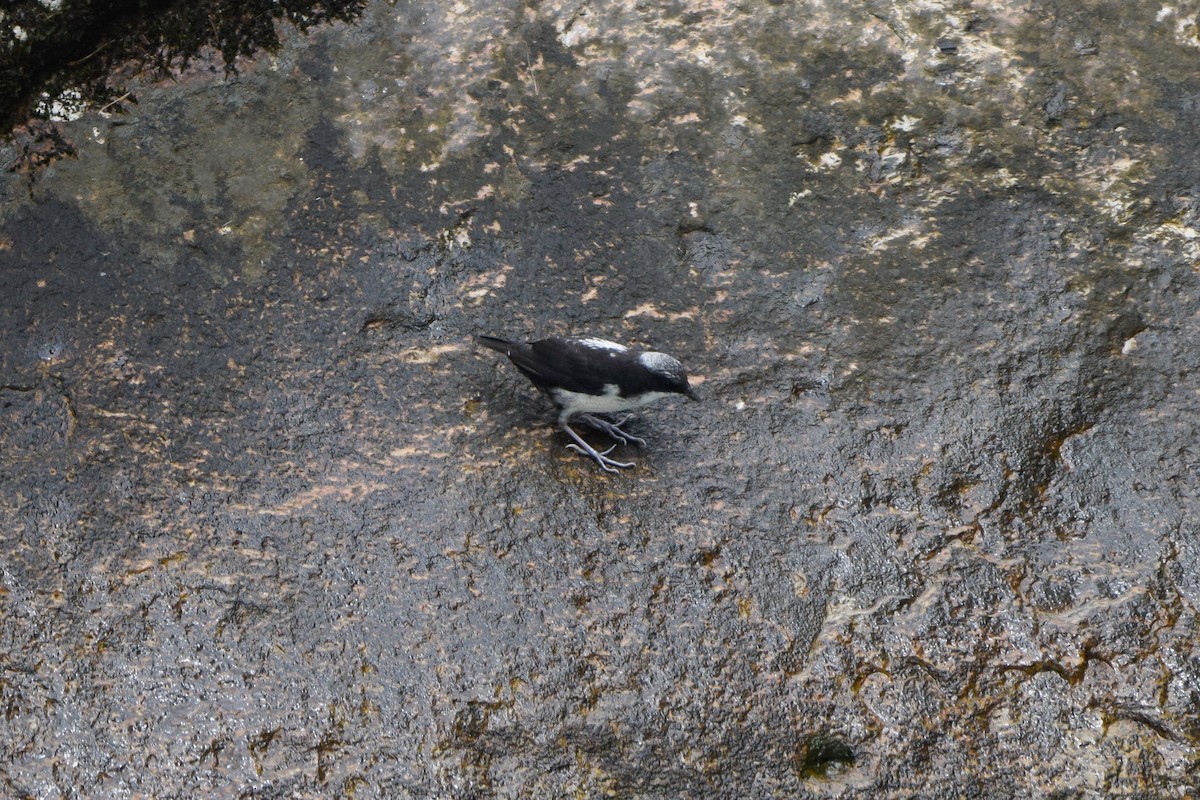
691,394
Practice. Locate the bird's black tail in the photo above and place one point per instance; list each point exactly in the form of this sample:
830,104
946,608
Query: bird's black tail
494,342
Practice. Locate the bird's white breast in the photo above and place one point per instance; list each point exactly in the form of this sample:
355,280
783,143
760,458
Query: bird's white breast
608,403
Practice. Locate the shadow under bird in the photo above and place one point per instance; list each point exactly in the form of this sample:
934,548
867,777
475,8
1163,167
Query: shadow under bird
585,377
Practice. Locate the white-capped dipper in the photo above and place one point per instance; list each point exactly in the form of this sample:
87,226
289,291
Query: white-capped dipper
585,377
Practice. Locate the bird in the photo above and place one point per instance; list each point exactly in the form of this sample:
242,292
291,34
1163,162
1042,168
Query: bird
588,376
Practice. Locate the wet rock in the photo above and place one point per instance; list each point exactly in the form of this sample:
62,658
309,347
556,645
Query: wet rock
276,528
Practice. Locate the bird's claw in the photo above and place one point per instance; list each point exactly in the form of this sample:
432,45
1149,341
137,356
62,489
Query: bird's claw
602,459
613,429
583,448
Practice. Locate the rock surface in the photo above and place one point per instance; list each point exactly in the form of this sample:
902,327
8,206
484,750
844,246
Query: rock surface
273,527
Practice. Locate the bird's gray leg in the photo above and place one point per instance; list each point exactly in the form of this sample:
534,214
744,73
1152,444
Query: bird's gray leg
613,429
586,449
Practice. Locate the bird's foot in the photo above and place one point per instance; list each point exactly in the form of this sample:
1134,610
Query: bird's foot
602,459
613,429
583,448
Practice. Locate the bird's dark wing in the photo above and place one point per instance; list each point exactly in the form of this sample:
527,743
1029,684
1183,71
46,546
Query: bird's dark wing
569,364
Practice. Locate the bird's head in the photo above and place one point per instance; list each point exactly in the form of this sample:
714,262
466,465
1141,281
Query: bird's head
672,376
